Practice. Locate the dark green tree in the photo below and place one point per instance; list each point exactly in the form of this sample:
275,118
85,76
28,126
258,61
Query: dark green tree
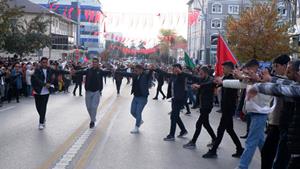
27,37
7,15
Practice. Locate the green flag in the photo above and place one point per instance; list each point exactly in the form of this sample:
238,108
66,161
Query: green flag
188,61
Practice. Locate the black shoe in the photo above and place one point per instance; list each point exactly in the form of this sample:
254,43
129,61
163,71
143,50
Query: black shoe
80,94
188,113
211,144
169,138
155,98
92,124
18,101
74,94
190,145
244,137
210,154
182,134
164,97
238,153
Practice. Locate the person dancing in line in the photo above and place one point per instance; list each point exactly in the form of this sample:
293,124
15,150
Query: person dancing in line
93,87
228,106
206,98
160,83
176,91
140,90
42,84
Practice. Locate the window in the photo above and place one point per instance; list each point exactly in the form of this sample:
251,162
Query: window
216,8
233,9
282,11
216,23
214,39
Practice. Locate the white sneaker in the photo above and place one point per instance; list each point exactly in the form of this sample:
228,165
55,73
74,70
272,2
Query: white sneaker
135,130
41,126
142,122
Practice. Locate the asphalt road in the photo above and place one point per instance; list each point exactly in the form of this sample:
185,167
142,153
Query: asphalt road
67,142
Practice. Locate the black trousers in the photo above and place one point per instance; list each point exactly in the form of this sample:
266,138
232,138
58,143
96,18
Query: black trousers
197,99
159,89
269,149
41,106
13,92
203,120
187,106
226,123
76,86
118,85
175,116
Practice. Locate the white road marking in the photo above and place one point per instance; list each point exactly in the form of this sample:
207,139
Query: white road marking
8,108
66,159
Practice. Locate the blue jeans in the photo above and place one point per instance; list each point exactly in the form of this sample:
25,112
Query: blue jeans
256,138
191,95
137,106
29,90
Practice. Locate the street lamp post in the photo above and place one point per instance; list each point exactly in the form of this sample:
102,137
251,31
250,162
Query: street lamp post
202,28
50,2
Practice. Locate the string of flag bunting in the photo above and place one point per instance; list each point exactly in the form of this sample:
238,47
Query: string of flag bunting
92,16
126,50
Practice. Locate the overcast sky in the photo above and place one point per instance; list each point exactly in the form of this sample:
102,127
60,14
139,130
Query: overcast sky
128,16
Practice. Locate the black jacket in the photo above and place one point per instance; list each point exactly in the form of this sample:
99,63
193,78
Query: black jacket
228,98
140,84
206,93
78,78
38,79
160,79
177,85
94,79
118,76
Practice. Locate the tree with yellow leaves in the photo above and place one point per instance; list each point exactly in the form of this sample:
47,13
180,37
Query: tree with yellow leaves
258,34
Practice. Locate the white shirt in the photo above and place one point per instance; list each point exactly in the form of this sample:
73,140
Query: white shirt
258,104
29,73
45,90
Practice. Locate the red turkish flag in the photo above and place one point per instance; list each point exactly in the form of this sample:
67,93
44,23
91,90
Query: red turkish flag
223,54
86,14
79,12
193,17
92,16
65,12
70,12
